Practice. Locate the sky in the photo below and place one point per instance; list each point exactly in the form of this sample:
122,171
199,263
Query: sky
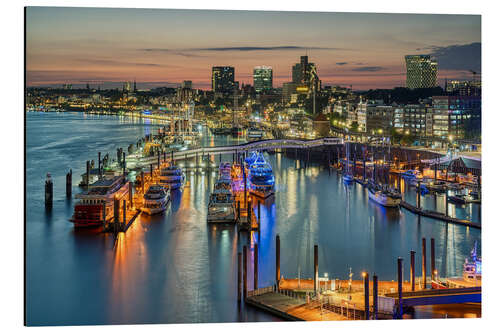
159,47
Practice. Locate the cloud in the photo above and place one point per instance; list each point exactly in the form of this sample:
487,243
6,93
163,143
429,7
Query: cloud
116,63
240,49
368,69
458,57
342,63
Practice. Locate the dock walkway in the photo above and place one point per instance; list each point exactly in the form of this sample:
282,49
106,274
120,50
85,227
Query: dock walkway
291,307
438,216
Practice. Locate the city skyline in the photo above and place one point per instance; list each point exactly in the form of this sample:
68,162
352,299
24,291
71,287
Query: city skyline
158,47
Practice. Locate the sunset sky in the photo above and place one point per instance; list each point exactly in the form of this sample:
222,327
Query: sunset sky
159,46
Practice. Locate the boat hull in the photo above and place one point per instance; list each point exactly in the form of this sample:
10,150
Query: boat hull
384,200
261,194
221,216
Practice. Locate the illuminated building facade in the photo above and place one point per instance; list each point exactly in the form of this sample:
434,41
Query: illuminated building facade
223,79
262,79
456,116
421,71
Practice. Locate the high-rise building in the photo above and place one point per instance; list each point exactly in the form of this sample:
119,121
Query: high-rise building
187,84
223,79
127,86
421,71
304,74
262,78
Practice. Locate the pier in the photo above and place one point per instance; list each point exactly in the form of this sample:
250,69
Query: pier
316,299
438,216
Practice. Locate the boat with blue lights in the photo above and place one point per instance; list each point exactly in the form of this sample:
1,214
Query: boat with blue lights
172,177
471,274
261,177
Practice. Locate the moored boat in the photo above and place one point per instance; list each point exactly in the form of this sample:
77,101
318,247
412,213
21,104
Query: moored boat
221,207
156,199
254,134
261,177
171,177
95,206
383,196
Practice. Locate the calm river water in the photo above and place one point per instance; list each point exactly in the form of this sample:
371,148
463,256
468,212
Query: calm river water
174,268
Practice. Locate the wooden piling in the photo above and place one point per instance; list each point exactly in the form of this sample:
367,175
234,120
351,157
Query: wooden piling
69,183
400,288
446,202
87,175
239,277
256,267
142,181
412,270
99,164
424,264
49,192
366,277
130,194
418,194
433,260
116,212
316,269
278,273
124,223
244,272
375,296
258,213
124,164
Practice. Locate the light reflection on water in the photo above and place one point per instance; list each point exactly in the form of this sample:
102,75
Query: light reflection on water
173,267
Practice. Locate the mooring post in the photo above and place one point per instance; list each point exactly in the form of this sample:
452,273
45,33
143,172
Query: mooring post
151,170
316,269
256,266
124,215
68,183
142,181
49,192
412,270
433,260
258,213
245,188
116,212
158,160
130,193
366,278
99,163
364,169
239,277
375,296
87,175
418,195
244,272
124,164
424,264
446,202
400,288
239,207
278,273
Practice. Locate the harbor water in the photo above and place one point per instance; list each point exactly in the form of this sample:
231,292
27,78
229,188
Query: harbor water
174,268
